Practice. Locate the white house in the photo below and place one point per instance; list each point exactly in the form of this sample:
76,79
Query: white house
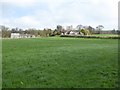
74,33
18,35
15,35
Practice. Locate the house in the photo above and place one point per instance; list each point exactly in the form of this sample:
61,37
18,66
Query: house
74,33
18,35
15,35
71,33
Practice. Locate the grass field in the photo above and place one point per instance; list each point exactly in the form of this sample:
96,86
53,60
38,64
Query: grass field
60,63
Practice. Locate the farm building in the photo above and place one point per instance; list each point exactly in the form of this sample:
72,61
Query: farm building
18,35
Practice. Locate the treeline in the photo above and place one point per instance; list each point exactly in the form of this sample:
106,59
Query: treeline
5,32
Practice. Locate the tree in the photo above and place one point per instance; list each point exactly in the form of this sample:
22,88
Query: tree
99,28
85,32
118,32
68,28
91,29
15,30
32,31
21,31
59,27
63,31
56,32
79,27
5,32
50,32
113,31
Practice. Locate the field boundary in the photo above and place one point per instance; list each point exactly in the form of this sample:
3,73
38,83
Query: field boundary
92,36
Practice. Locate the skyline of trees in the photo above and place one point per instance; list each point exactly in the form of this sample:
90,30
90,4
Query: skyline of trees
6,31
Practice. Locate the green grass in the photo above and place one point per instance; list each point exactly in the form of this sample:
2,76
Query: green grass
60,63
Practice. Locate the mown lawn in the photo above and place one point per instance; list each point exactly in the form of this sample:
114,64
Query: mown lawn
60,63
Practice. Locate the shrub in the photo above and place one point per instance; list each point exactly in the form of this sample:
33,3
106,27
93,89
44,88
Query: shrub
85,32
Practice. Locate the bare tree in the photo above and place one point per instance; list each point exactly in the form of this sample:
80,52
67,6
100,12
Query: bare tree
99,28
79,27
5,32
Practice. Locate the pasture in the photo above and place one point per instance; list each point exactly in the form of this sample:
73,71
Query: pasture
58,62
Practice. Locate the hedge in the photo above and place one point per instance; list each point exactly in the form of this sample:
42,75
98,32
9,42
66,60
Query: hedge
99,37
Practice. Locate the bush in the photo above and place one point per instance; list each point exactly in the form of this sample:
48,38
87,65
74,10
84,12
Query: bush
85,32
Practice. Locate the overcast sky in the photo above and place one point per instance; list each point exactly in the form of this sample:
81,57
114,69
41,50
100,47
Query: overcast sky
49,13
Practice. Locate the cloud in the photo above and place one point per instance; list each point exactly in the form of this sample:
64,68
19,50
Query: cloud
22,22
19,3
49,13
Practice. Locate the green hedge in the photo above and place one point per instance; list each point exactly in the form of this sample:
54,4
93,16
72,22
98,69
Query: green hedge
100,37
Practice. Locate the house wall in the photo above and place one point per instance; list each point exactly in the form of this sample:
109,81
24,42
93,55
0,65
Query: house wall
18,35
15,35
